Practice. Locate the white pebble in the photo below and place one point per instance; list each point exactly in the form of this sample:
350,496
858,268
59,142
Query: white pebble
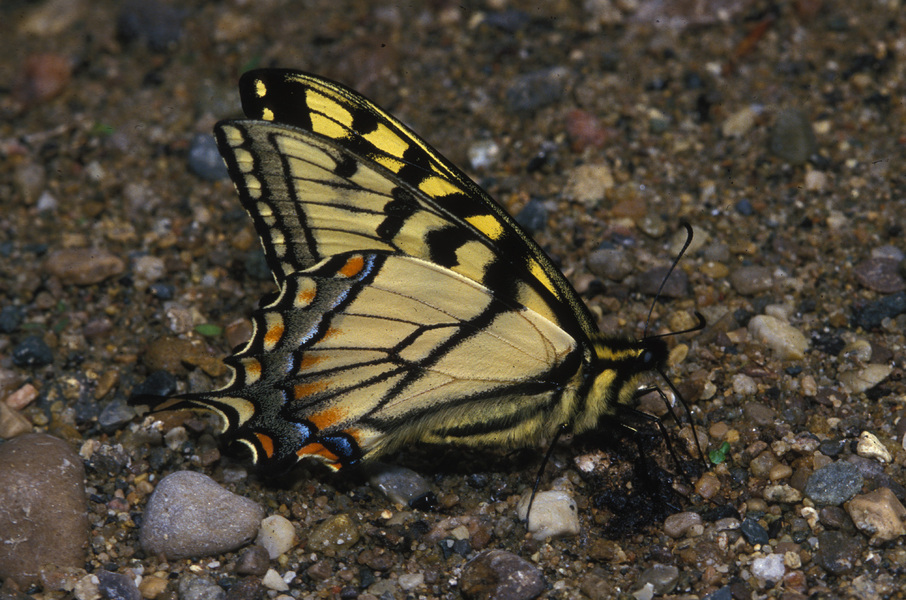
783,339
273,581
861,380
870,446
769,568
276,535
554,514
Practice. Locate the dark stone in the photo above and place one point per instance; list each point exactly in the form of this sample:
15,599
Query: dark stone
32,352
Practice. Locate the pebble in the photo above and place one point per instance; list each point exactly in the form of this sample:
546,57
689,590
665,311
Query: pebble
749,281
43,507
834,484
199,587
871,315
334,533
753,532
32,352
152,586
769,568
254,560
554,514
273,581
156,24
190,515
759,413
588,183
838,553
743,384
10,318
787,342
880,275
741,122
662,578
276,535
682,524
533,216
12,422
677,286
879,514
117,413
411,581
792,137
869,446
204,159
83,266
534,90
43,77
501,575
117,586
585,130
483,154
781,493
171,353
612,264
401,485
863,379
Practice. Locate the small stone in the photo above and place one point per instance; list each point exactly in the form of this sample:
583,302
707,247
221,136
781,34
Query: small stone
117,586
10,318
155,23
554,514
400,485
834,484
749,281
792,137
152,586
196,587
838,553
149,268
743,384
190,515
782,493
533,216
204,159
411,581
879,514
870,446
787,342
42,506
483,154
753,532
32,352
335,533
84,266
740,123
254,560
501,575
769,568
880,275
612,264
273,581
276,535
588,183
707,486
683,524
43,76
676,286
871,315
12,422
117,413
536,89
662,578
863,379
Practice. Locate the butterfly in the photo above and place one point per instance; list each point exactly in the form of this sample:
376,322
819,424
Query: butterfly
411,308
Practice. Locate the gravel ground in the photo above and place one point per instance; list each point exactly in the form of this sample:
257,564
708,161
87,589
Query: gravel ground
775,129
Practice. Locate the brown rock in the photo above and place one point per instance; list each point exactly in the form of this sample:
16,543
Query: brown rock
83,266
43,509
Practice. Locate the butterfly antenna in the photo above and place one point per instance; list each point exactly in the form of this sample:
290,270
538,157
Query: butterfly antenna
669,273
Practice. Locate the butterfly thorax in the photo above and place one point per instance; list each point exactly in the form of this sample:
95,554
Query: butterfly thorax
615,371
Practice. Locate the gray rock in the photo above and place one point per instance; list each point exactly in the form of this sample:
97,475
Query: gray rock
834,484
500,575
190,515
43,508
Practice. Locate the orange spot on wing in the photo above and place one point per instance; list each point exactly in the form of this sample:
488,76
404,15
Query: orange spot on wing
304,297
304,390
273,335
319,451
353,266
309,360
328,417
267,444
252,368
